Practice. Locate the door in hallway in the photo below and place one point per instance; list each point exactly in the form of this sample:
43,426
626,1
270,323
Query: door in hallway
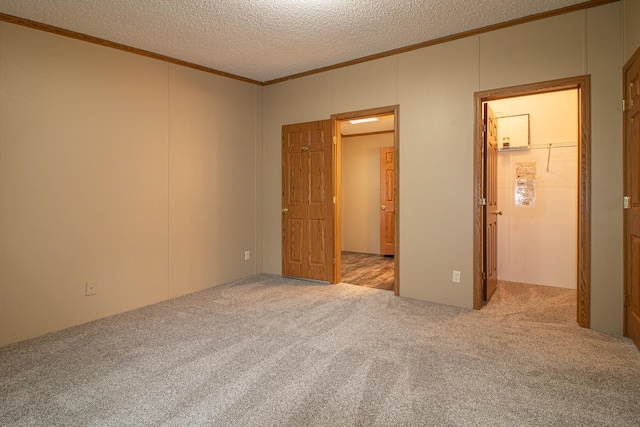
387,201
307,198
632,199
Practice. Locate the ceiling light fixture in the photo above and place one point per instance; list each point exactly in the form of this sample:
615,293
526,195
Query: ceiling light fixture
367,120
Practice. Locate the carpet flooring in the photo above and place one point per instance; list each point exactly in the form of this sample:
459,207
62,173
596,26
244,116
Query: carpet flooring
272,351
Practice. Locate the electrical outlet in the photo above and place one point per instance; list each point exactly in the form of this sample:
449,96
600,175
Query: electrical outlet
247,255
91,288
456,276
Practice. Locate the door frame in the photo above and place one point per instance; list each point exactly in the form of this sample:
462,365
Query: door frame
627,304
583,85
337,185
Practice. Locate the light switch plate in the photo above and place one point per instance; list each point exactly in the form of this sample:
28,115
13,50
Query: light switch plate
91,288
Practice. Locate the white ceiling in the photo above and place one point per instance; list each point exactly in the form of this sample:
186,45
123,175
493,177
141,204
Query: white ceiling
268,39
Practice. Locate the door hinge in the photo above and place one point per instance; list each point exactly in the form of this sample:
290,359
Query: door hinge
624,105
334,260
334,200
626,300
626,202
484,276
335,140
483,201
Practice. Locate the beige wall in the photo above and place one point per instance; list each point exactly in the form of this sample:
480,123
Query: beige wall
119,169
434,87
604,54
212,179
537,243
631,17
435,91
361,192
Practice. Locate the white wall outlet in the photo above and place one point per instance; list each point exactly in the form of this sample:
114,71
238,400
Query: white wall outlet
456,276
91,288
247,255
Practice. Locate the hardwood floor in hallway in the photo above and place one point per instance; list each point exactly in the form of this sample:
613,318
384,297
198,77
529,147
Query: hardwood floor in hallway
370,270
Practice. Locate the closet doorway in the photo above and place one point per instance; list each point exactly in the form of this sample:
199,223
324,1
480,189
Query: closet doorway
537,188
541,180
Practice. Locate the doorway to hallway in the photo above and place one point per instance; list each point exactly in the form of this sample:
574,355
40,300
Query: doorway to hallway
312,213
367,198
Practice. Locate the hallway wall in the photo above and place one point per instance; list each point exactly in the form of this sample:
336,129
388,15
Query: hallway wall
361,192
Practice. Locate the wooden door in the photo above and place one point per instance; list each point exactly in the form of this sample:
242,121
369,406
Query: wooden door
491,212
632,199
387,201
307,197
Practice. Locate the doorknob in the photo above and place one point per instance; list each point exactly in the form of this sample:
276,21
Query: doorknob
383,207
285,210
497,212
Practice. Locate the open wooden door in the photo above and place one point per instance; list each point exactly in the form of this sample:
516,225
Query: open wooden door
307,198
490,191
632,199
387,201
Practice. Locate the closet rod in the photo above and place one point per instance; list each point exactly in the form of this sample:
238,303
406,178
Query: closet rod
558,145
555,145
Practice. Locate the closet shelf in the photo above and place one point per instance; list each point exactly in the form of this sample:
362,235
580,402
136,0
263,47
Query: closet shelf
545,146
539,146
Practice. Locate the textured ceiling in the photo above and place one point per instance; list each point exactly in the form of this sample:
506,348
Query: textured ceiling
269,39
